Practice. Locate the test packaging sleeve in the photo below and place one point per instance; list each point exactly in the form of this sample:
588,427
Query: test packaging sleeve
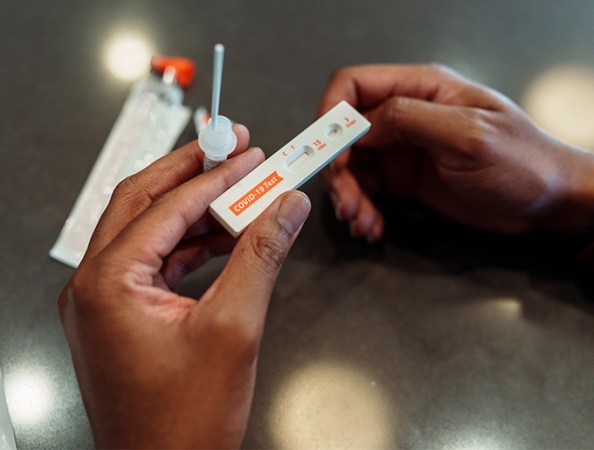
289,167
7,441
152,119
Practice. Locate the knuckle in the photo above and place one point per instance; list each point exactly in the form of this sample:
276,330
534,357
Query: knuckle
480,131
93,281
81,282
395,109
476,145
270,252
131,191
444,74
395,106
76,291
440,69
64,299
126,187
342,74
338,74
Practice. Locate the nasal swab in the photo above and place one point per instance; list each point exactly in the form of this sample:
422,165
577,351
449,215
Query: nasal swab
217,76
217,140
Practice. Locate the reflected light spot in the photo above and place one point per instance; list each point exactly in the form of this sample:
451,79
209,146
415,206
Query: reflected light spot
128,57
561,101
29,395
510,307
479,439
331,406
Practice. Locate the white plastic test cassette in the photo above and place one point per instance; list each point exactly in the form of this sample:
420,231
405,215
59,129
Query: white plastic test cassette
289,167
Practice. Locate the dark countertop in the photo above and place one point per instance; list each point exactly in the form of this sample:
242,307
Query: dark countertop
438,337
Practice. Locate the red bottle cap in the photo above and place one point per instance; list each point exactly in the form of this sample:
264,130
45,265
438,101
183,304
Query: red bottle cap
185,69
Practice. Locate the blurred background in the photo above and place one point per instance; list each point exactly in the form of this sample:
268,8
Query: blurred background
438,337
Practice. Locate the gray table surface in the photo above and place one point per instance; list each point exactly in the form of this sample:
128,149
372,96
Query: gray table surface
438,337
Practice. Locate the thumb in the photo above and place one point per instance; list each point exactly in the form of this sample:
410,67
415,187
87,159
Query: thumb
410,121
245,285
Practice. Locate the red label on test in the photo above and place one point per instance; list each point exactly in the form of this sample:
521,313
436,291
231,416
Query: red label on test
257,192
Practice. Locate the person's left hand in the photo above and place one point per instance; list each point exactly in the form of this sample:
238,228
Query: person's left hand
157,369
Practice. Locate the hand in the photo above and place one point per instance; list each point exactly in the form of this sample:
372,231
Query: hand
157,369
458,147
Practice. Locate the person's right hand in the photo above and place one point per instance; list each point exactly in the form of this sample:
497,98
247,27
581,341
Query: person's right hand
158,369
458,147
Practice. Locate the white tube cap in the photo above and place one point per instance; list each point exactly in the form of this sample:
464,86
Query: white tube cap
217,142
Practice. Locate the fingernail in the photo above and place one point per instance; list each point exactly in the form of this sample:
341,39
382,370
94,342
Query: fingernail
256,149
292,212
235,126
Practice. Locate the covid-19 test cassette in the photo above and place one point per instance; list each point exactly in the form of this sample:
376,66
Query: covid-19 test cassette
289,167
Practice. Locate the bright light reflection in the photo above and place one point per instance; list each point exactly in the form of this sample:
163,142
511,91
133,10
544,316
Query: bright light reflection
29,395
128,56
479,444
479,439
331,406
509,307
561,101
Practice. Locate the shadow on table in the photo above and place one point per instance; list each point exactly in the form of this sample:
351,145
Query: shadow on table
456,249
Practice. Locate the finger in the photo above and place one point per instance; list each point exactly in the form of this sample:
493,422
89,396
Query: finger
362,224
351,202
377,229
193,253
346,194
337,164
243,289
353,161
365,87
134,194
206,224
160,228
243,139
411,122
